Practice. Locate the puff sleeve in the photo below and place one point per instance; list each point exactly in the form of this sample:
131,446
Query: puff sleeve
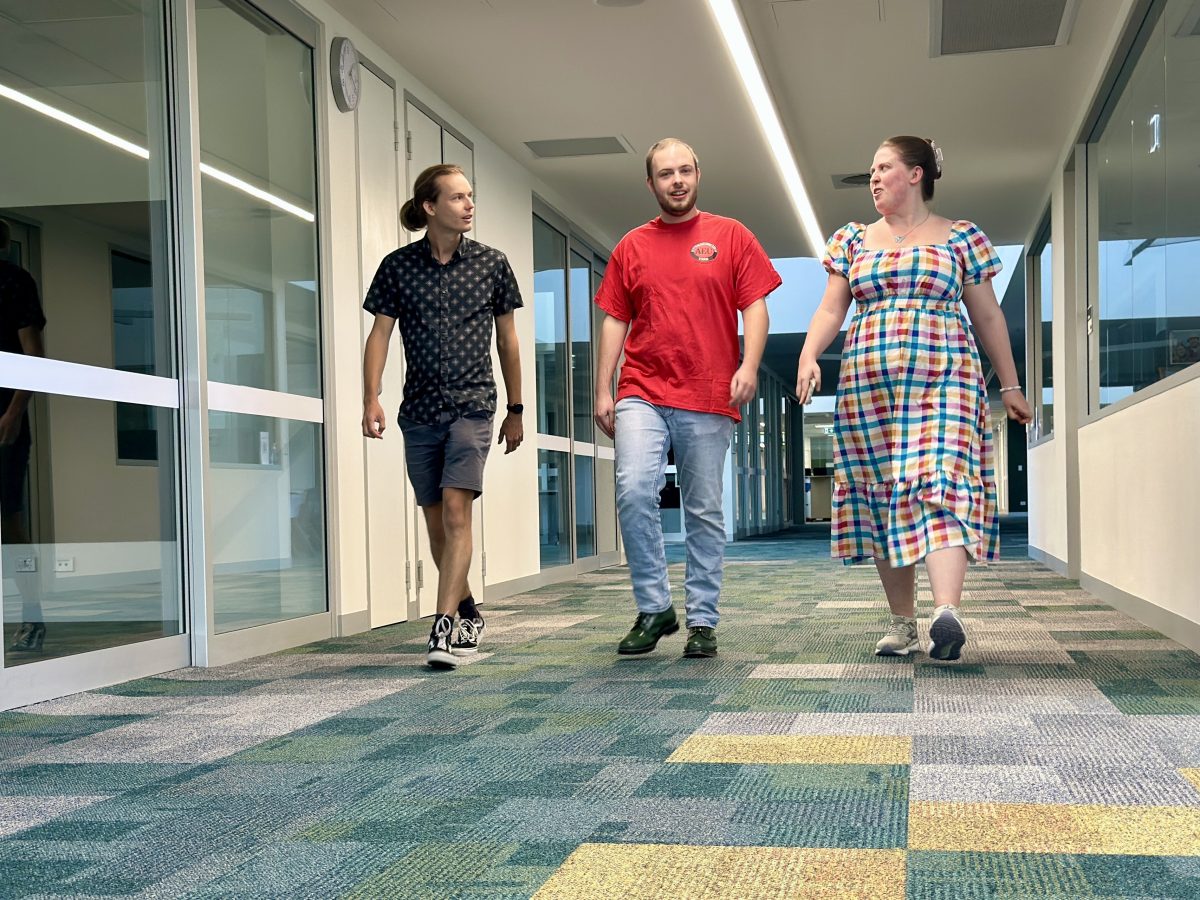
841,248
976,255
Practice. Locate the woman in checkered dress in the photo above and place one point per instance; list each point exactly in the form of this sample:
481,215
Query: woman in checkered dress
915,477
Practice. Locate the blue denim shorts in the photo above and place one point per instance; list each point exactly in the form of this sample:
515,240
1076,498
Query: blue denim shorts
449,454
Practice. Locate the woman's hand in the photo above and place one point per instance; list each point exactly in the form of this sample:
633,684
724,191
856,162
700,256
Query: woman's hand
808,379
1017,407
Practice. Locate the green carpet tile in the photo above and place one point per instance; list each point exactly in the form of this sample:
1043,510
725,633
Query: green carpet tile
1060,758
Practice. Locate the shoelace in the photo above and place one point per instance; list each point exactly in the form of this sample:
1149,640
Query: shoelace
900,629
441,633
468,630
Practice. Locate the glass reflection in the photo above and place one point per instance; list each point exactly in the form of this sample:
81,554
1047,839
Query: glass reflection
1046,301
268,519
550,328
1149,224
82,112
76,580
581,348
585,507
606,505
88,502
258,153
554,506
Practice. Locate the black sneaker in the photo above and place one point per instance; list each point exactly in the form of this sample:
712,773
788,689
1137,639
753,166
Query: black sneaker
470,631
440,655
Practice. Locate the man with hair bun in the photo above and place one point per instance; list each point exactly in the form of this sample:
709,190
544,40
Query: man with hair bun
445,291
671,294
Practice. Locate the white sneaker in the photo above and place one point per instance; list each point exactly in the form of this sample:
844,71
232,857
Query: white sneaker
440,655
901,638
946,633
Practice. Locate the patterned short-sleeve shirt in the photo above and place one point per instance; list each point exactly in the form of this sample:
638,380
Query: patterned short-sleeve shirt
445,313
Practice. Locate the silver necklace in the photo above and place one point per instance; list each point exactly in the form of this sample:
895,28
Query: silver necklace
898,238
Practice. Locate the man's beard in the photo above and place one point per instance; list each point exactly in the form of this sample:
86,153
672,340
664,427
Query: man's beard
665,203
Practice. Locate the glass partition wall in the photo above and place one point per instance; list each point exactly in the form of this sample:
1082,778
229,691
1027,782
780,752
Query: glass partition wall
576,468
1146,232
105,491
89,397
262,318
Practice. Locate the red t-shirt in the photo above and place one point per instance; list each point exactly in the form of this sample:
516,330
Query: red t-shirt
680,286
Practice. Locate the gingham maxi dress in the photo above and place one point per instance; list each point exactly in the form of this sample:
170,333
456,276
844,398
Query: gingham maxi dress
913,460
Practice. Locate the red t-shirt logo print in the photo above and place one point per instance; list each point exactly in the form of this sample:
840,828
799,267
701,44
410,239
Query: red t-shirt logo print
704,251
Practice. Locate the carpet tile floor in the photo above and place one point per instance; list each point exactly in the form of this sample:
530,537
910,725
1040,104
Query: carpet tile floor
1060,758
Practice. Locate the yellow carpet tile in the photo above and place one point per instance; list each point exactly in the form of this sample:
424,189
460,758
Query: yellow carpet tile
665,871
1048,828
1192,775
777,749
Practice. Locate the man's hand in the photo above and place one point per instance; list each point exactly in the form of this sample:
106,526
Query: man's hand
606,414
10,429
512,432
742,386
374,420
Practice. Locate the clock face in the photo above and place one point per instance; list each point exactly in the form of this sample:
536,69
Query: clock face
344,73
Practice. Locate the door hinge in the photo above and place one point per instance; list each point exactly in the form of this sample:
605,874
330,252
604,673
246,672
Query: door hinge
1091,321
483,565
420,574
395,135
408,576
408,145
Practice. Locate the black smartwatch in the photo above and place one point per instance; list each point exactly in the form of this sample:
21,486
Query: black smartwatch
517,408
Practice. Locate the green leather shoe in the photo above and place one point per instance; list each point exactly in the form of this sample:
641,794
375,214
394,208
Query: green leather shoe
646,631
701,642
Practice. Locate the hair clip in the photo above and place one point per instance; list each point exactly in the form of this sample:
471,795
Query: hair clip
937,154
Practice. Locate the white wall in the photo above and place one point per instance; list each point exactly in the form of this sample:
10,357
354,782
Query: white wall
503,220
1140,503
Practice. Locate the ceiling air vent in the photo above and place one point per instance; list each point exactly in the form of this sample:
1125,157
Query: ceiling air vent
853,180
598,146
983,26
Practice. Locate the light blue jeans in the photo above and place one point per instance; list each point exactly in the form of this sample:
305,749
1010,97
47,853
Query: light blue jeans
645,433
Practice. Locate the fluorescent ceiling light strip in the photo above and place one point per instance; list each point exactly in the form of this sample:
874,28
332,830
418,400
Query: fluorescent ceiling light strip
129,147
75,122
247,188
736,40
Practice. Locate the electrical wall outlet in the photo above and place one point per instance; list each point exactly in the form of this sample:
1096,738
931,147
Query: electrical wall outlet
64,564
26,563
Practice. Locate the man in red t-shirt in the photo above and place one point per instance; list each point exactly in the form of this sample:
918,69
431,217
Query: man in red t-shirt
671,294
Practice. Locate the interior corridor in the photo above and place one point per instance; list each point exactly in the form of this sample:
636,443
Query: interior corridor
1060,757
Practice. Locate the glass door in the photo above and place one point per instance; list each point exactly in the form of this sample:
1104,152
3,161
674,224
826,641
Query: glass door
90,506
262,322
